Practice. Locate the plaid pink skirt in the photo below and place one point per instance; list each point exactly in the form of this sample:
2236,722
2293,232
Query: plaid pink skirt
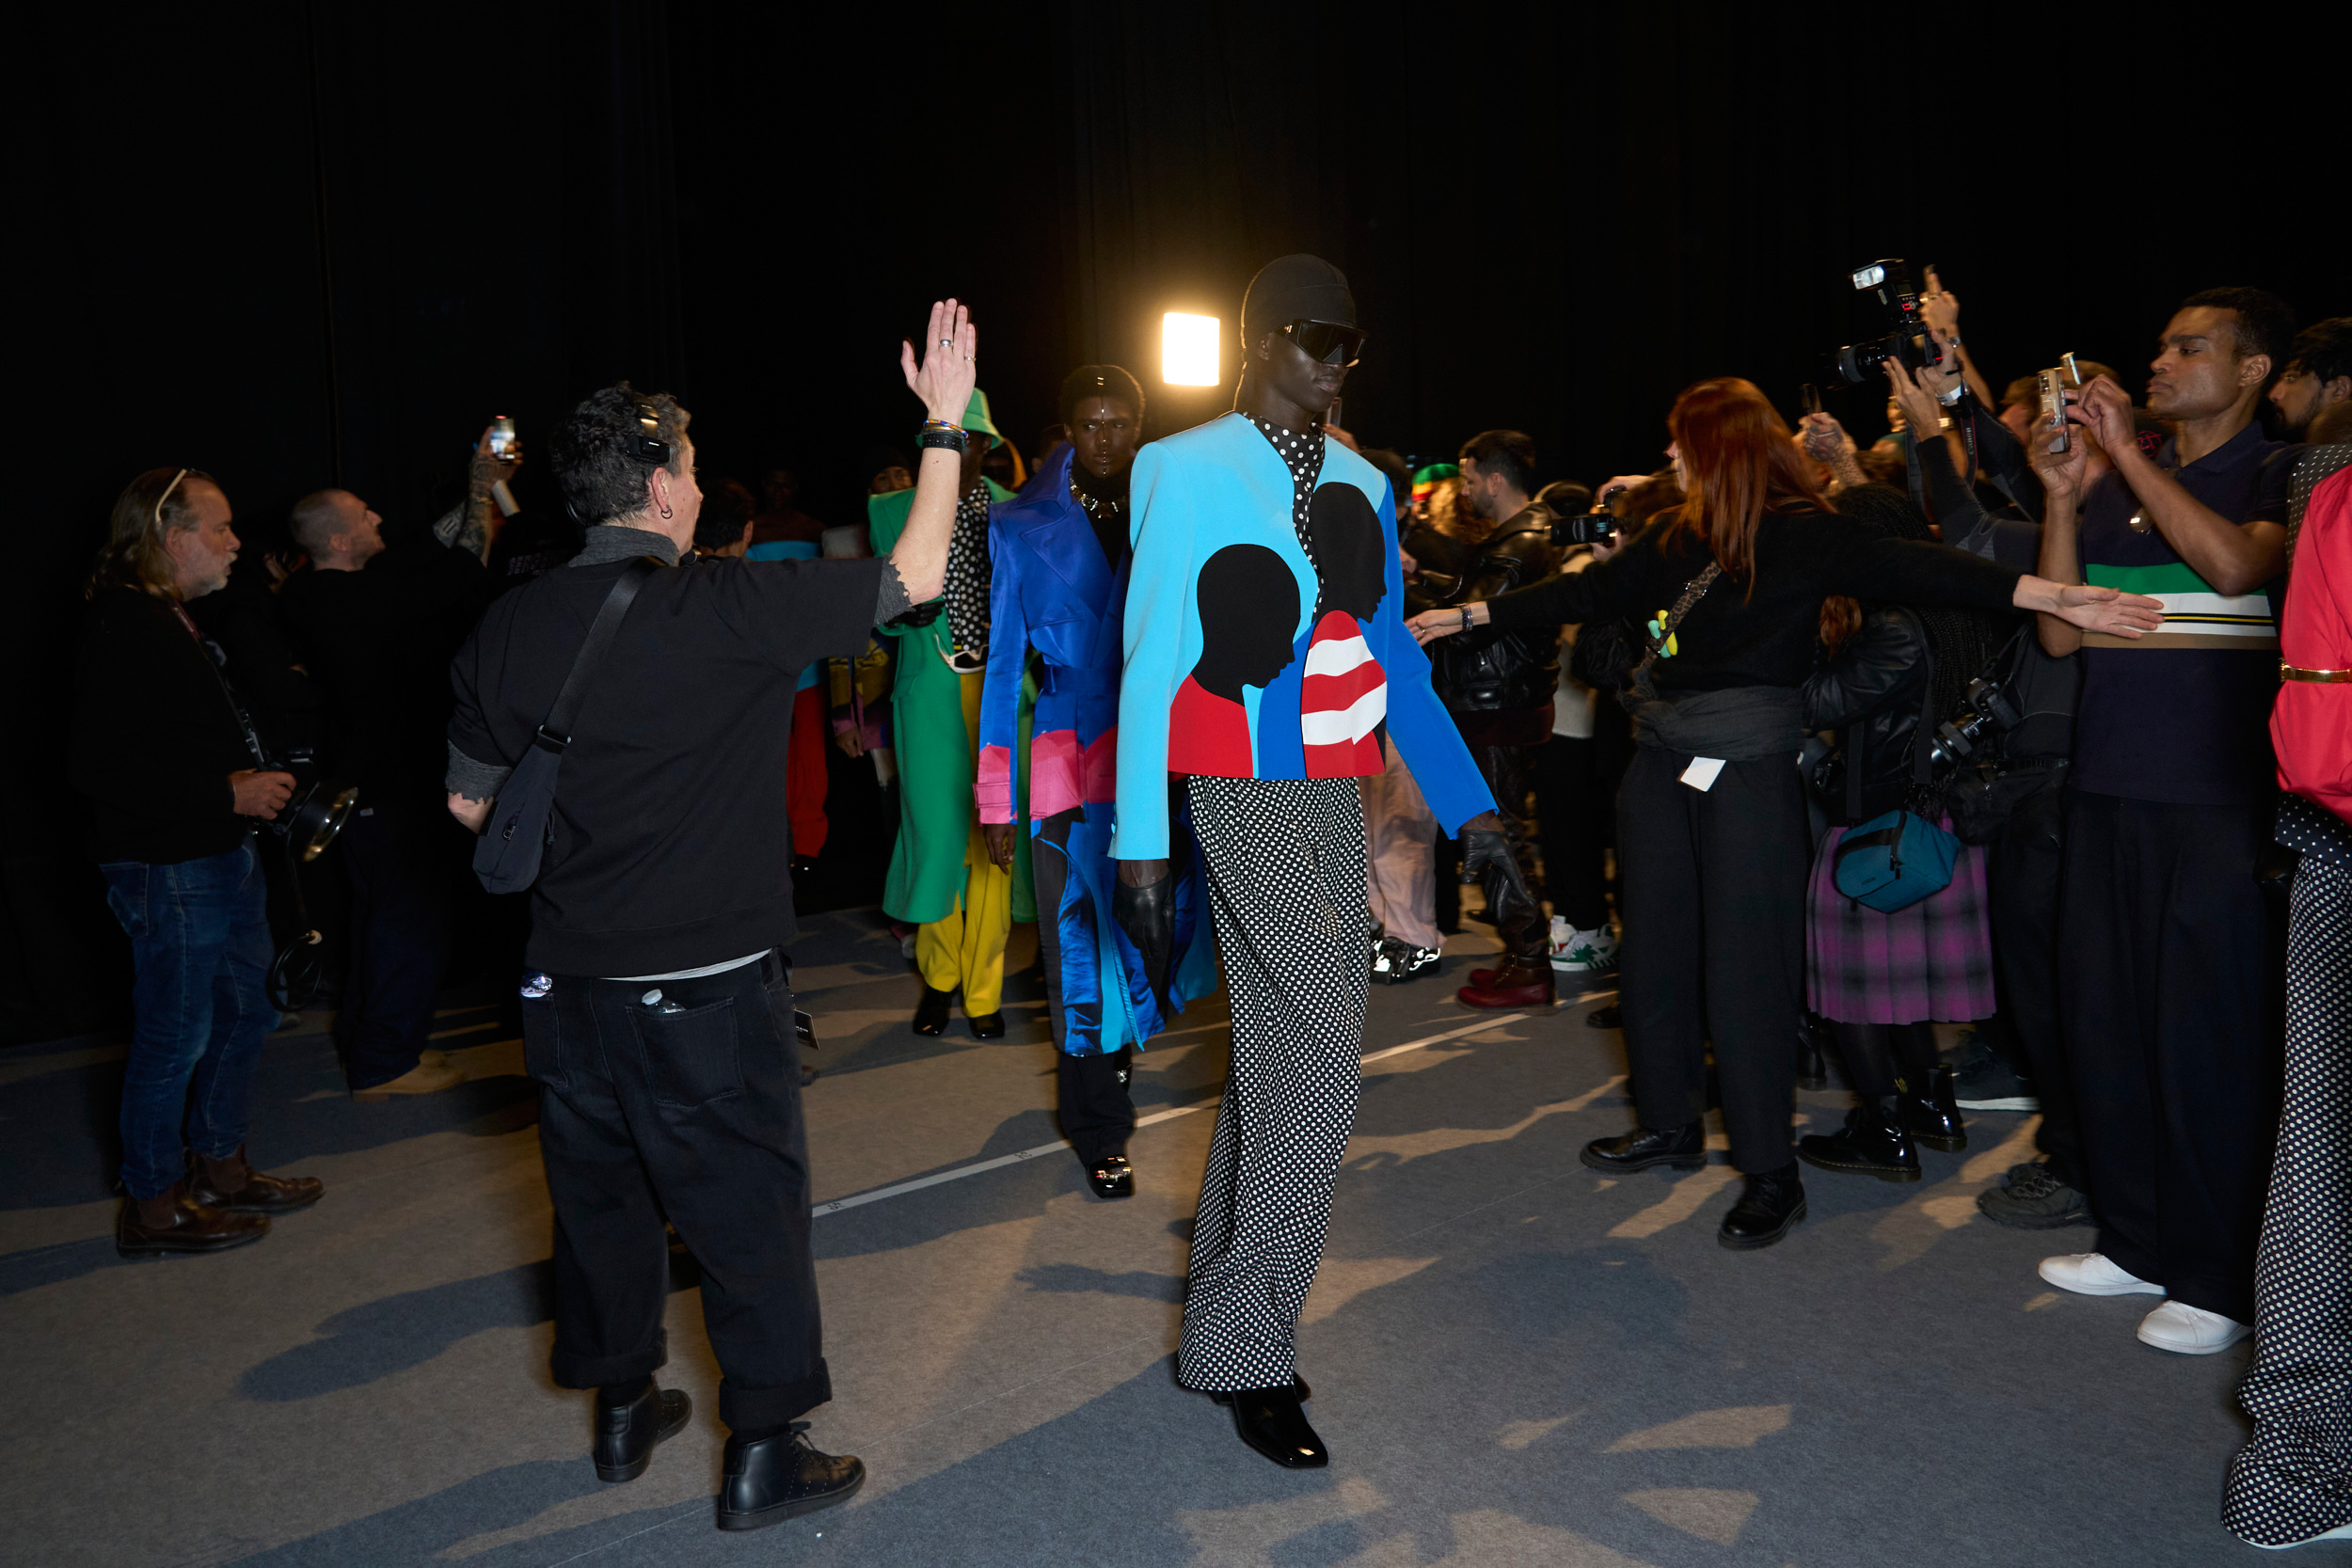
1931,961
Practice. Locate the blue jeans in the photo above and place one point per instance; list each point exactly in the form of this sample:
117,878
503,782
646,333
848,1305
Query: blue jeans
200,937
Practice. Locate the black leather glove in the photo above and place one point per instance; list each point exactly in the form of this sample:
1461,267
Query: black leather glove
919,615
1148,915
1487,860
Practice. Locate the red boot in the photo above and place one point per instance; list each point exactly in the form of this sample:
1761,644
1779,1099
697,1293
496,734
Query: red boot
1520,982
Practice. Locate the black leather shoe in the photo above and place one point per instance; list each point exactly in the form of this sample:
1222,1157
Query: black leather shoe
930,1014
1872,1143
1112,1177
1932,1117
1767,1210
987,1026
1684,1148
625,1433
769,1480
1271,1421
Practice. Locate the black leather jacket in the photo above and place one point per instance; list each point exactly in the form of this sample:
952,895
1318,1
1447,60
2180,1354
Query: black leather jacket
1871,694
1488,670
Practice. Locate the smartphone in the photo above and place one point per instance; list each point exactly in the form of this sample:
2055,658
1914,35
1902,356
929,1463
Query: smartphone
1810,397
504,443
2055,383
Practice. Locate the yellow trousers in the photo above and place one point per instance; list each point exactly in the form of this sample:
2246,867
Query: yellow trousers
967,948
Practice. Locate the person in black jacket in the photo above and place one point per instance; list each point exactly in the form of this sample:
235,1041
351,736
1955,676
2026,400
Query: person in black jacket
1711,820
376,629
1498,685
165,756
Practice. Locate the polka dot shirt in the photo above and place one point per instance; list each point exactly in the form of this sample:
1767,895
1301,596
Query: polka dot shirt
1302,453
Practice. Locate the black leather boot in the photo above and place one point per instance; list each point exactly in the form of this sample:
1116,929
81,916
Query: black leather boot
1872,1143
779,1476
626,1432
1112,1177
930,1014
1768,1210
1684,1148
1933,1116
1271,1421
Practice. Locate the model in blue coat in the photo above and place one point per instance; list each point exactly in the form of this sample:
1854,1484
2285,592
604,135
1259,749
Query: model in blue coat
1059,560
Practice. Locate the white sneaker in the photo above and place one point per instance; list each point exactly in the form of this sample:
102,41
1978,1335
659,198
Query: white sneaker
2187,1330
1575,952
2090,1274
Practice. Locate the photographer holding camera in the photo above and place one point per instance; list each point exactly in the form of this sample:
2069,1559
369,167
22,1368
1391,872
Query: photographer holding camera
657,1015
163,753
1712,819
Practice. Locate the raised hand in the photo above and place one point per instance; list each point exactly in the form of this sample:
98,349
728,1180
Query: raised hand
1921,413
1823,438
950,363
2105,410
1941,307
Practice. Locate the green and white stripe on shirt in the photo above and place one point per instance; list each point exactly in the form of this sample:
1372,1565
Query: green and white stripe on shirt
2194,615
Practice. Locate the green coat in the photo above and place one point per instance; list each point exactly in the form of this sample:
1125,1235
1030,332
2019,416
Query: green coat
936,766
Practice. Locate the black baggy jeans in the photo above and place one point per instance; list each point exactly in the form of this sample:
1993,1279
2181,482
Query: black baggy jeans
679,1099
1714,895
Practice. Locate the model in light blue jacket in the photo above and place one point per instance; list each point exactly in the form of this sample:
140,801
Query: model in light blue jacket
1206,686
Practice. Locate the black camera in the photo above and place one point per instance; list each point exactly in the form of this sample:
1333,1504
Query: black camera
1905,339
1596,527
317,809
1988,713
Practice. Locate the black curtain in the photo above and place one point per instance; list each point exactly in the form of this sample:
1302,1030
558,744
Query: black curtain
300,244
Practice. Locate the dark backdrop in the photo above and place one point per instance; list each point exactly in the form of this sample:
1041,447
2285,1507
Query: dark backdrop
300,244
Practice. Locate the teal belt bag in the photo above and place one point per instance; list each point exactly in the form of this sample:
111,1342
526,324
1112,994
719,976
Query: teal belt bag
1891,862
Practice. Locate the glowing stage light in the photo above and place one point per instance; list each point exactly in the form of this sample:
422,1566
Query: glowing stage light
1188,350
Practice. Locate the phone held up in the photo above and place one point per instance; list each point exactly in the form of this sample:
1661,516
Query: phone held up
2055,383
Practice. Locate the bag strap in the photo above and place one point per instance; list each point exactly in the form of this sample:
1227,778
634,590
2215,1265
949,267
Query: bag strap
556,733
1692,591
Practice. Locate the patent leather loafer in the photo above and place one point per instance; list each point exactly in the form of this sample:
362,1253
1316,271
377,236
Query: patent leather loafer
173,1222
1271,1421
987,1026
237,1186
1112,1177
1683,1148
780,1477
625,1433
1768,1210
930,1014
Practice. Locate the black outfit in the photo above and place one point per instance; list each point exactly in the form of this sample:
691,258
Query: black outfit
1499,684
378,641
1714,880
669,1096
247,622
2172,989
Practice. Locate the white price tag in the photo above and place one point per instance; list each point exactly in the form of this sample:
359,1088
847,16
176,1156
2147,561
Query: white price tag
1700,775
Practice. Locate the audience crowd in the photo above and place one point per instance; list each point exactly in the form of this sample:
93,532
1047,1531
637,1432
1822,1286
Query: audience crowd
2122,859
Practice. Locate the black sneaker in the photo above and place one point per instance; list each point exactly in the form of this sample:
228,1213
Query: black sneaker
2034,1198
1986,1082
781,1475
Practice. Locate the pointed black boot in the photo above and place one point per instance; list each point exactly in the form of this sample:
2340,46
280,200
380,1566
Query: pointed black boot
1768,1210
1271,1421
1684,1148
625,1433
1932,1117
1872,1143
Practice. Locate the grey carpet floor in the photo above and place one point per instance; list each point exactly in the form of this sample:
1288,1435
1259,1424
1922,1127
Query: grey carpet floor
1515,1361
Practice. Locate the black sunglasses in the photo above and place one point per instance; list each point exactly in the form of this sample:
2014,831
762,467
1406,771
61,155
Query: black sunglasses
1329,341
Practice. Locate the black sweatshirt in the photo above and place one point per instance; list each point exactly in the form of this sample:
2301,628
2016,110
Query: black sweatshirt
154,738
1761,629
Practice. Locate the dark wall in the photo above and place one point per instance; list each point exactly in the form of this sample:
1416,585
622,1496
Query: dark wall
295,244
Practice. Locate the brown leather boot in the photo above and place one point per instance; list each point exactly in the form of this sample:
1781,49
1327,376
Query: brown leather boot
171,1221
1522,982
230,1184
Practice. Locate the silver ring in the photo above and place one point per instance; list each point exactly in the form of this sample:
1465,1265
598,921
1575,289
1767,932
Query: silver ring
946,342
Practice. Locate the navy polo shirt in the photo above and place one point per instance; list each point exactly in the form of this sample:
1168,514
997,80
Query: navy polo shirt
2183,716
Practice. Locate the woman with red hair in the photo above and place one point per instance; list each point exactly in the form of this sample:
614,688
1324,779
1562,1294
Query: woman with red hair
1711,821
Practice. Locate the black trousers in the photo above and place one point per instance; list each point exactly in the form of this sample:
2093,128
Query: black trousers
1714,905
685,1106
2023,867
398,856
1574,788
2172,994
1510,775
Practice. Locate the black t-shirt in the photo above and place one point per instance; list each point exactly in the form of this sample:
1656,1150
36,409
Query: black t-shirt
671,848
2183,715
1762,629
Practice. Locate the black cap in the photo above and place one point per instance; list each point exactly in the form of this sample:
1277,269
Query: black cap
1294,288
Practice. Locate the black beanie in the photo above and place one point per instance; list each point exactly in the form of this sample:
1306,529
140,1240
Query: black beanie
1099,381
1294,288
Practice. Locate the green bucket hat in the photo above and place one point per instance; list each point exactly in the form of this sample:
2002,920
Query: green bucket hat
975,417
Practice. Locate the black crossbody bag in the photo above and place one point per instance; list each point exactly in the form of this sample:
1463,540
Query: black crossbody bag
516,838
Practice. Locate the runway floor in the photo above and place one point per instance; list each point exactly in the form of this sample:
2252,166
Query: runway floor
1515,1361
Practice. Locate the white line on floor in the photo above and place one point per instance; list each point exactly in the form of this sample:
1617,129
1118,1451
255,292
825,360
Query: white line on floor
835,1206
